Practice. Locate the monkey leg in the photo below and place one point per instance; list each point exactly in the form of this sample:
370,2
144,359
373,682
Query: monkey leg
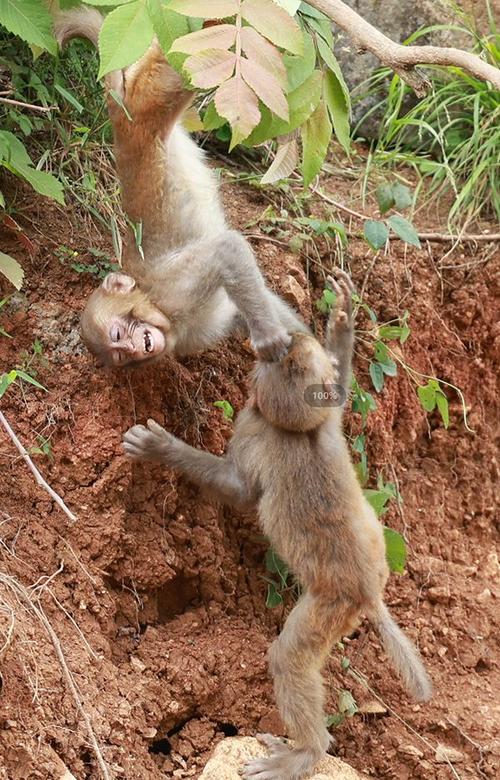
218,476
296,659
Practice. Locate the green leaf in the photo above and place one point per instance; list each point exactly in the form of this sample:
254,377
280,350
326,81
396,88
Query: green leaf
378,499
327,300
227,409
427,397
211,119
389,367
442,405
376,233
402,196
167,24
30,20
30,380
391,332
335,720
315,134
6,380
347,703
274,599
395,550
289,5
385,198
274,23
301,102
404,230
377,376
41,181
69,97
300,67
10,268
125,35
2,201
362,401
337,95
214,9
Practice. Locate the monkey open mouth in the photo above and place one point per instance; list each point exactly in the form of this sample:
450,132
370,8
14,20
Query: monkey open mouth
148,342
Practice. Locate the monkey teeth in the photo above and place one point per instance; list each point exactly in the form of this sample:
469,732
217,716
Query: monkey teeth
148,344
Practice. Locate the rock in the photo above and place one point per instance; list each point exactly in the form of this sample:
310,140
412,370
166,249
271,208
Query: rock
372,707
445,754
232,753
439,595
410,750
293,292
397,19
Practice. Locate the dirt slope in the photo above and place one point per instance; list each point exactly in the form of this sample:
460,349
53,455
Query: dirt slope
156,597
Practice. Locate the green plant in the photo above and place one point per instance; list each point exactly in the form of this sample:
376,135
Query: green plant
44,448
451,136
99,269
227,409
279,583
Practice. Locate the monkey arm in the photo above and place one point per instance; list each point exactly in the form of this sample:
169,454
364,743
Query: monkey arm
339,340
200,269
218,476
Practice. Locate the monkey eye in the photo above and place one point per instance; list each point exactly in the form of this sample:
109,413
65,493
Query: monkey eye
115,333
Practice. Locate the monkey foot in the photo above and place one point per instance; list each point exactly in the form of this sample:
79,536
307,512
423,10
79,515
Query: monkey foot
283,762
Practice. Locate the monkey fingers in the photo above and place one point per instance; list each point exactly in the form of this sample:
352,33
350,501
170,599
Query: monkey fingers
151,443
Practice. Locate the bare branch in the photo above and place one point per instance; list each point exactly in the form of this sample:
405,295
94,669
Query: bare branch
40,480
29,106
403,59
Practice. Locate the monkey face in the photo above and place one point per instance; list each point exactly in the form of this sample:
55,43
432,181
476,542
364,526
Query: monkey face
120,325
281,389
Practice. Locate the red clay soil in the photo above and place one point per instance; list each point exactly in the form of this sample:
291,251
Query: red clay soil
155,598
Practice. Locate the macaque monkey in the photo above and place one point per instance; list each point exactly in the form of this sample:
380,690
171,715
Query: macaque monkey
289,457
192,280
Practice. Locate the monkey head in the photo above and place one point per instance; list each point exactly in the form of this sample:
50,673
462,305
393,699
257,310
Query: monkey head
282,391
120,325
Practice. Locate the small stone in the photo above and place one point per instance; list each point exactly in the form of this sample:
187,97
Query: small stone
293,292
149,733
439,595
442,650
372,707
485,595
137,664
445,754
410,750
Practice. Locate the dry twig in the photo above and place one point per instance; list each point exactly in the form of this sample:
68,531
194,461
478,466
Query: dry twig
40,480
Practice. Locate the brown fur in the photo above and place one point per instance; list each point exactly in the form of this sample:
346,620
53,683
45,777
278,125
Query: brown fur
311,507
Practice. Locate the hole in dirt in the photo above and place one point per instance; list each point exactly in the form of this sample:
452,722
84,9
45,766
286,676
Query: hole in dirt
228,729
160,747
173,598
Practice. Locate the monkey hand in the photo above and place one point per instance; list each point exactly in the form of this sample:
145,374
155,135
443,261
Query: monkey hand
342,316
149,443
271,346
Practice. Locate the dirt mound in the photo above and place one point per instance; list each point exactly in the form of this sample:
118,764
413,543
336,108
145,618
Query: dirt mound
143,626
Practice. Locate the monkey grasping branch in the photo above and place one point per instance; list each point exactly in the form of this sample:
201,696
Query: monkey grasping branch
403,59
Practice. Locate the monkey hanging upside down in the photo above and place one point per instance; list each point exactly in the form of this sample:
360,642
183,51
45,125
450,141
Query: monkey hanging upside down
195,278
288,456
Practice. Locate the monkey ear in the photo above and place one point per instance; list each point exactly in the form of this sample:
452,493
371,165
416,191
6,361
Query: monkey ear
118,283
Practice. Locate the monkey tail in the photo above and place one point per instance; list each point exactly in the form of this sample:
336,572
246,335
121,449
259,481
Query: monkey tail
85,22
402,653
80,22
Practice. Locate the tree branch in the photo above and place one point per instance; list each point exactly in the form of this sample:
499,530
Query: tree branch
403,59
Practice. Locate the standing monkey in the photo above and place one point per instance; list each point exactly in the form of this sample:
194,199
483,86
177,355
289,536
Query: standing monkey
196,278
289,456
